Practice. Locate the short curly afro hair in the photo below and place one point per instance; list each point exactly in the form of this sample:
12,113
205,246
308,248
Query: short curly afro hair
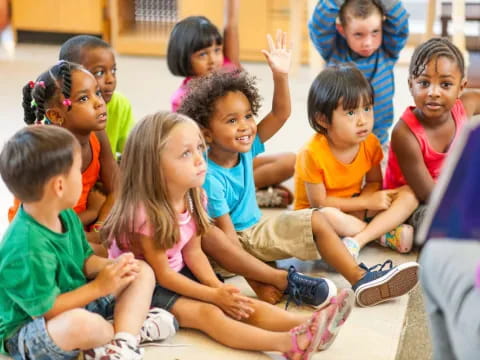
203,92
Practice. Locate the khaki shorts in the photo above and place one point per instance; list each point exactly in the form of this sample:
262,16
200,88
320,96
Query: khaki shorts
288,234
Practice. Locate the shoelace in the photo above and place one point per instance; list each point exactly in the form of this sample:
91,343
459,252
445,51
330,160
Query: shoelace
295,292
117,349
150,330
374,268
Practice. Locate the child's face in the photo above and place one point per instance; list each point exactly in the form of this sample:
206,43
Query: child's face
437,88
232,127
206,60
72,181
101,63
350,127
88,111
182,159
363,36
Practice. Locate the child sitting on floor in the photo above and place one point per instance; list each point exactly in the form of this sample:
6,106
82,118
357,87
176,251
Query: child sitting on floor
225,105
339,167
48,310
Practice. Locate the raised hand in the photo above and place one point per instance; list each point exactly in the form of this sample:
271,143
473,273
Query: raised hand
279,56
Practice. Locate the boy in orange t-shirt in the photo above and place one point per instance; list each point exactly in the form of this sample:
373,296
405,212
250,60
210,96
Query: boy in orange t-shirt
338,170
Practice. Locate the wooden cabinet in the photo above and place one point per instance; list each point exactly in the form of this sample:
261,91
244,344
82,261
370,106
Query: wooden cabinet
68,16
257,18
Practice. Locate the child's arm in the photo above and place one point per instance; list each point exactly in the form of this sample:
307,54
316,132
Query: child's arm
373,181
370,200
228,298
95,202
225,224
322,26
197,262
279,58
231,42
108,174
395,27
112,278
471,102
410,160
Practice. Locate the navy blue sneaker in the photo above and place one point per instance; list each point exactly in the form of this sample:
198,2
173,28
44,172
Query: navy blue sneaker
380,284
303,289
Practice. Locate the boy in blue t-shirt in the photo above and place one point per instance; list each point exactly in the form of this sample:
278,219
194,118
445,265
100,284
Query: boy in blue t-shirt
224,106
48,310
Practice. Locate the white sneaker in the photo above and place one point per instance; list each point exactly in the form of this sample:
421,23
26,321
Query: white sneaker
117,349
159,325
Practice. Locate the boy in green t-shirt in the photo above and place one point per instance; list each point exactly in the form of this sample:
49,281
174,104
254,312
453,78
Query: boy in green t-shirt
97,56
48,310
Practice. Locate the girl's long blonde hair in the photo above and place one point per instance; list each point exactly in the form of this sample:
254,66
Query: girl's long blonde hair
142,183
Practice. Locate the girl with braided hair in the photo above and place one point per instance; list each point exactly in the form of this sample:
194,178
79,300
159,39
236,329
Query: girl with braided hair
423,137
67,95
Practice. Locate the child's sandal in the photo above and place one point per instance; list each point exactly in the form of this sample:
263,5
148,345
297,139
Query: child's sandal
339,310
314,339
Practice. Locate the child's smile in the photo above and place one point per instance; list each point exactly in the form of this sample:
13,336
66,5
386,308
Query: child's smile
232,128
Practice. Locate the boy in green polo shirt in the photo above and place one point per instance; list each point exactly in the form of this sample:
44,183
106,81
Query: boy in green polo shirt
48,310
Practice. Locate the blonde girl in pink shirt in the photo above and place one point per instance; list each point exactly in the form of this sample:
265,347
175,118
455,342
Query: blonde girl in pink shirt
160,217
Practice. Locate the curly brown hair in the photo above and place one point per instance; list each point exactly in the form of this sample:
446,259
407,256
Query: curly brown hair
203,92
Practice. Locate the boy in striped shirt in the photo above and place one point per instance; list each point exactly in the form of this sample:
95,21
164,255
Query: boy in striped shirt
369,34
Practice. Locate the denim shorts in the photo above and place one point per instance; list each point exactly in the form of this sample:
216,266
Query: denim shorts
33,342
164,298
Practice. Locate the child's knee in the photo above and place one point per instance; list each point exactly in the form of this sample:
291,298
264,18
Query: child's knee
319,222
407,196
210,311
146,273
195,314
77,323
288,163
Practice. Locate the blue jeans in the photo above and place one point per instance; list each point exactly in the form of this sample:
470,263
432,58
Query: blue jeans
33,342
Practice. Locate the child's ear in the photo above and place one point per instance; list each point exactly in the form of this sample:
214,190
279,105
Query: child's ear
340,29
57,185
55,117
410,85
321,120
207,134
463,84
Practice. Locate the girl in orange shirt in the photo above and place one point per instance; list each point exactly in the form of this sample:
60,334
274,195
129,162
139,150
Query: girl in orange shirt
67,95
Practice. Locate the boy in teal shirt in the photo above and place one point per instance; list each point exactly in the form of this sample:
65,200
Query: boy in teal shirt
48,310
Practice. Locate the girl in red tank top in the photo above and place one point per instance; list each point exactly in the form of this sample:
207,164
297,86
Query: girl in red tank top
67,95
423,137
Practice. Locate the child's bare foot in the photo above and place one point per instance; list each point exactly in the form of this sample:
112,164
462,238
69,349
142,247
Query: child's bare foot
266,292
